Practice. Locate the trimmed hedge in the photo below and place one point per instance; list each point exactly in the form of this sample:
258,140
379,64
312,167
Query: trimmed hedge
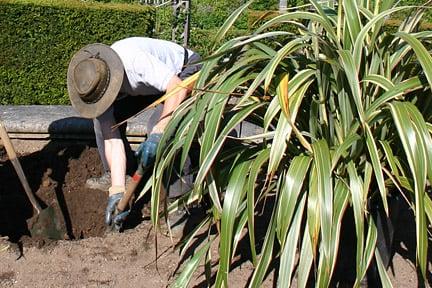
38,38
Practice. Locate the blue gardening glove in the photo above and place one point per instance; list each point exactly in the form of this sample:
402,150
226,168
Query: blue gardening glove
146,152
111,207
119,220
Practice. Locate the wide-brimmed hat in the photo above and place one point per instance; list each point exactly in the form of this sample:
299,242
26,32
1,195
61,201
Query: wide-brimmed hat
94,79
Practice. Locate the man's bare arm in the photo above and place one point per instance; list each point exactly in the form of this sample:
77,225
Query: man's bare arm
170,104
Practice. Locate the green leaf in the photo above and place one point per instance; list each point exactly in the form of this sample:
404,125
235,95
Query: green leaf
370,245
183,280
255,170
214,194
239,228
356,188
391,159
216,109
265,256
292,46
232,123
287,17
360,37
294,84
188,239
228,23
428,207
290,191
376,164
284,128
230,208
351,73
196,115
343,147
288,255
408,121
157,184
352,16
398,90
313,209
341,202
379,80
305,260
326,266
322,159
385,280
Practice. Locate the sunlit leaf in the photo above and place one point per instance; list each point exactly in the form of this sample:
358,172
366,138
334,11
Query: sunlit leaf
231,203
289,195
289,251
415,149
186,275
322,161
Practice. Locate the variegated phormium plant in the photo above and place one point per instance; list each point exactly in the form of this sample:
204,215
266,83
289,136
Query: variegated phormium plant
345,109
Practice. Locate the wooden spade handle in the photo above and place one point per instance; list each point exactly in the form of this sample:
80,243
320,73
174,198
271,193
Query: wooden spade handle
136,178
17,165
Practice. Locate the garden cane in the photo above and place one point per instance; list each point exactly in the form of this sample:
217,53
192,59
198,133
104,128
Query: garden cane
45,222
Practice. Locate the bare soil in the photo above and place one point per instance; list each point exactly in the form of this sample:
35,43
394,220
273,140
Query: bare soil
88,256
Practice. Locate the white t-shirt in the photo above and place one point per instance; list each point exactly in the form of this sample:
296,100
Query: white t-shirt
149,64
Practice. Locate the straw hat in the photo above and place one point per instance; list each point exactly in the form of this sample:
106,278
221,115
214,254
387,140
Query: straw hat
94,78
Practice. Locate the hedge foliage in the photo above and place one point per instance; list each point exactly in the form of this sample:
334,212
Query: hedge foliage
38,38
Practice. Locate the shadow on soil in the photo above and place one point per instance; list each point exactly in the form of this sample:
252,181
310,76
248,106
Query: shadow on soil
55,174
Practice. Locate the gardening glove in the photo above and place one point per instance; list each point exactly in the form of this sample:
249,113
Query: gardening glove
146,152
119,220
112,207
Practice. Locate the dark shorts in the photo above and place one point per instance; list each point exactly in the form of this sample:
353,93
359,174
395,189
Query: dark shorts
191,67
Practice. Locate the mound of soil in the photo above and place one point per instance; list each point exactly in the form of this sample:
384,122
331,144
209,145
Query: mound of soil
56,175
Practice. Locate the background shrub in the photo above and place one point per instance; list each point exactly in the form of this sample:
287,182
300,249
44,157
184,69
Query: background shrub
39,38
206,18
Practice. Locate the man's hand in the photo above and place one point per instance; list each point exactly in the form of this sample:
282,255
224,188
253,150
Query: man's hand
111,208
146,152
119,219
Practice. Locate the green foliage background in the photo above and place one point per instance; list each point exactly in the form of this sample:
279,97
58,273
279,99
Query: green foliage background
38,39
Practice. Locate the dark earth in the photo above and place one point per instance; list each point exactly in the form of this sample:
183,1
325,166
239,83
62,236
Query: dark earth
88,256
57,176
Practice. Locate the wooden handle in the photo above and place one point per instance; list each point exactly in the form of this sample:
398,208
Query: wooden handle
121,206
17,165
